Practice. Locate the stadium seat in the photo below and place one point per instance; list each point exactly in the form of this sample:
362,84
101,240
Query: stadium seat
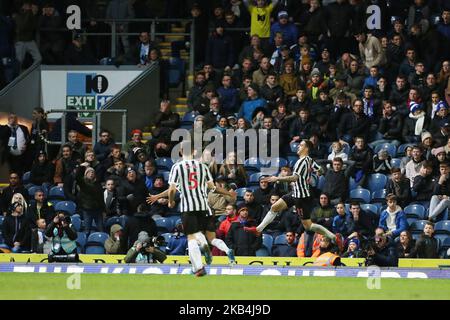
1,221
441,238
95,249
276,163
418,226
189,118
292,160
81,241
67,206
415,211
166,237
32,190
262,252
401,149
395,162
390,148
267,242
442,227
254,178
379,196
26,178
76,222
280,240
321,182
240,193
376,181
352,184
165,175
360,194
370,207
411,220
445,247
113,220
176,71
252,164
174,219
56,193
97,238
164,163
164,225
294,147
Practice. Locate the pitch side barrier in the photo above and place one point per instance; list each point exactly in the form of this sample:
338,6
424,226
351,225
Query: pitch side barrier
244,261
371,273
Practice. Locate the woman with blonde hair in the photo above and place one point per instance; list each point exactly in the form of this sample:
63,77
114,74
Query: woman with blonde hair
234,172
18,197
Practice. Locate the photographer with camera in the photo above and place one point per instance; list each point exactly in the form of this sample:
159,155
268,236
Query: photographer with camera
381,252
145,250
64,235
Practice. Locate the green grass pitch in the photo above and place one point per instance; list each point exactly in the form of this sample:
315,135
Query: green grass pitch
179,287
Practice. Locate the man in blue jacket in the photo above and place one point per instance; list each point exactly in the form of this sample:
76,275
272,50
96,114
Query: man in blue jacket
393,219
253,104
288,29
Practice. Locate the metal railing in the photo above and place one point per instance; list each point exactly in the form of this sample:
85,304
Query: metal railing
113,23
96,123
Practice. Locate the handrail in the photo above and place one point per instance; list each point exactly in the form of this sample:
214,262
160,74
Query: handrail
20,77
113,23
96,121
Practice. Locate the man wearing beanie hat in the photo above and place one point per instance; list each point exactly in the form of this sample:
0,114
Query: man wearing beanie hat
353,250
252,104
416,122
90,197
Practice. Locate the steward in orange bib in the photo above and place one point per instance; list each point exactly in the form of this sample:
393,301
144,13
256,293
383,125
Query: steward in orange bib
326,256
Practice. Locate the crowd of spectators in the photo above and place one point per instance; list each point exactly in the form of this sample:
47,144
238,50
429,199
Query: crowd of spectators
314,72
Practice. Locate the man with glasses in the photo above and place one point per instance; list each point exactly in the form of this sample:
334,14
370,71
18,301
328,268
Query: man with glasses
103,147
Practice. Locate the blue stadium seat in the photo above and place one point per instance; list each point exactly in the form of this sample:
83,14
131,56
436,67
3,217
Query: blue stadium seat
395,162
113,220
418,226
379,196
67,206
176,71
376,181
164,225
415,211
252,164
254,178
166,237
189,117
294,147
390,148
262,252
240,193
360,194
95,249
292,160
280,240
442,227
267,242
321,182
445,246
411,220
401,149
97,238
81,240
76,222
174,219
164,163
56,193
370,207
276,163
32,190
441,238
26,178
165,175
352,184
1,220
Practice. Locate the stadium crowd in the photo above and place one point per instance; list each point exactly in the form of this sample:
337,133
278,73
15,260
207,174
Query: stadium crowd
372,102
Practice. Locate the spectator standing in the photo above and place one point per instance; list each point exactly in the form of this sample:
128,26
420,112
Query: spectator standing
15,138
426,246
243,243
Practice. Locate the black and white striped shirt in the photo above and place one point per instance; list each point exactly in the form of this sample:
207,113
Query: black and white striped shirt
302,169
191,178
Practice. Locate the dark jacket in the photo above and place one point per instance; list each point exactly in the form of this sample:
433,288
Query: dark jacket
262,196
366,223
402,190
424,186
220,51
16,229
285,250
391,127
71,124
354,125
271,95
338,18
386,257
102,151
243,243
41,173
426,248
343,225
363,158
336,185
141,221
90,196
47,212
302,129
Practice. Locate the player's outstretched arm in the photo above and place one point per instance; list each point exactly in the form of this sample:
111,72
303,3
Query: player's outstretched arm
220,190
151,199
272,179
171,192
